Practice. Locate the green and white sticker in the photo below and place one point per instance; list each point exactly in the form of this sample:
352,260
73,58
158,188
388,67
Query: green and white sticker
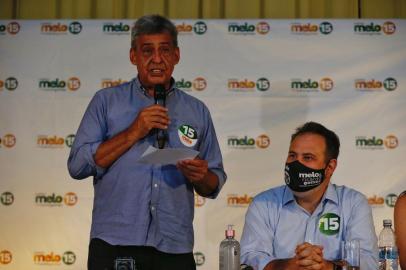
187,135
329,224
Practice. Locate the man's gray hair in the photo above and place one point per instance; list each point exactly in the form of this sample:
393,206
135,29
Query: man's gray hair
153,24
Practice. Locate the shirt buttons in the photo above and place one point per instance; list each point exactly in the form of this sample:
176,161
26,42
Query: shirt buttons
155,185
152,208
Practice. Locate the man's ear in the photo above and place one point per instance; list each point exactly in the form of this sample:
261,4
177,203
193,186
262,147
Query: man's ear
331,166
177,55
133,57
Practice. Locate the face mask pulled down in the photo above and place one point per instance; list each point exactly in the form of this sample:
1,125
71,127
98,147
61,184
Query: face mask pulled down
300,178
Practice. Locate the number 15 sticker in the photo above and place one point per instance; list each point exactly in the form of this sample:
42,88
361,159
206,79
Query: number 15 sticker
187,135
329,224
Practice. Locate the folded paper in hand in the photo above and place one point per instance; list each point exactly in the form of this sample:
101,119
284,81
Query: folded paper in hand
166,156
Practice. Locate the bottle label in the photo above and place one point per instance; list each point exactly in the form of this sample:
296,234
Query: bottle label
229,255
222,260
388,258
382,254
392,253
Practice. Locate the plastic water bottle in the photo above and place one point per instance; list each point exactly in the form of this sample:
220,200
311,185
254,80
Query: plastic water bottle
388,252
229,251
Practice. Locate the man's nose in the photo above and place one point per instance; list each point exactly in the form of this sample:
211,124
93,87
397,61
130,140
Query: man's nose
157,57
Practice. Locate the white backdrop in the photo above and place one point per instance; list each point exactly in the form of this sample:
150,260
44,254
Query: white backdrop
260,79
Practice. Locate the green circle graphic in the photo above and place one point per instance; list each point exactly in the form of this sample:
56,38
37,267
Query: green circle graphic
329,224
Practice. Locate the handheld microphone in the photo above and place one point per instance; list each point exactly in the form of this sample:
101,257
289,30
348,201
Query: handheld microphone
160,94
160,99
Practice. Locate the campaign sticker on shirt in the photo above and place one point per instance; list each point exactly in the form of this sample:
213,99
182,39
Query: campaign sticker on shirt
329,224
187,135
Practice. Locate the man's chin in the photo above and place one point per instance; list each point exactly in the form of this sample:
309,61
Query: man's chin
154,80
303,194
150,82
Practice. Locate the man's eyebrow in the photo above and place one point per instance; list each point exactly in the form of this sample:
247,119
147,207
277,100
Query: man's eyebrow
308,154
303,154
160,43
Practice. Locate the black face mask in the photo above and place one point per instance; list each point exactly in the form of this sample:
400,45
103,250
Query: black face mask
300,178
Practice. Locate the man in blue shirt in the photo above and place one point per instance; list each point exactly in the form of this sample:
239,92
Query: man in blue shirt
301,225
143,214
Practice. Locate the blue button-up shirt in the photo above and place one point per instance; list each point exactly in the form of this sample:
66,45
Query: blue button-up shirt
275,224
136,203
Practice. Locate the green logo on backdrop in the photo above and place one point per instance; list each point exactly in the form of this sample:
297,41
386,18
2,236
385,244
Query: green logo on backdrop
326,28
7,198
11,83
263,84
391,199
199,258
75,28
390,84
200,27
69,258
69,140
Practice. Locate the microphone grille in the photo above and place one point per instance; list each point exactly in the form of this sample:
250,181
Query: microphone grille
159,91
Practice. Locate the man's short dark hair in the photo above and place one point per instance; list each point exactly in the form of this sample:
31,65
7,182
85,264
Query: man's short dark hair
153,24
332,140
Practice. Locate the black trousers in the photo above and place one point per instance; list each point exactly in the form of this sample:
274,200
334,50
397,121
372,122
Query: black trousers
103,256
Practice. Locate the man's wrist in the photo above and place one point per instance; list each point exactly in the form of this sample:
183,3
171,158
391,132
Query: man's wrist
132,136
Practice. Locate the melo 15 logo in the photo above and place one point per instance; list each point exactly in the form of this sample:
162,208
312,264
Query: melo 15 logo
7,198
10,84
8,140
12,28
200,28
69,258
199,258
5,257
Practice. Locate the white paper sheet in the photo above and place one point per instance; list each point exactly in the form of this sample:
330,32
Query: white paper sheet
167,156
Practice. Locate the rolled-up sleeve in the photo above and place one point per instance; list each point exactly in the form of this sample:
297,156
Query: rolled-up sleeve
90,135
210,151
257,237
361,227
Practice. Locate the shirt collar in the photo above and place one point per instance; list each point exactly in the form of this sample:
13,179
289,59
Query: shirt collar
144,91
287,196
330,194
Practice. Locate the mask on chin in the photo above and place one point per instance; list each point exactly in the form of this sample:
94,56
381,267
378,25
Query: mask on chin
300,178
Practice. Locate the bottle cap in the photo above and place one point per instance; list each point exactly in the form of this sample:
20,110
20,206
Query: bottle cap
387,222
230,232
